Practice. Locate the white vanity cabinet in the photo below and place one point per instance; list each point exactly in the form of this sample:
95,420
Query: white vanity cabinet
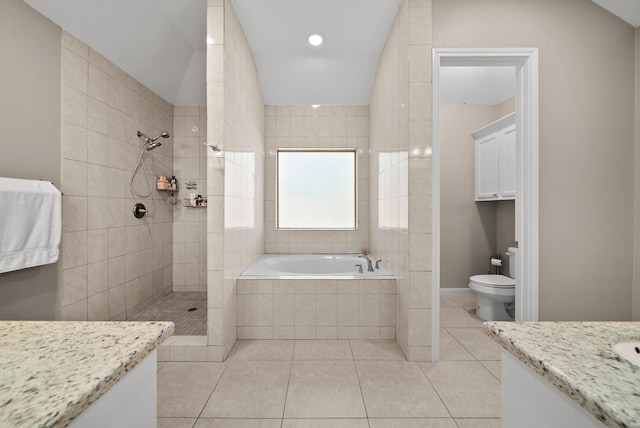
495,146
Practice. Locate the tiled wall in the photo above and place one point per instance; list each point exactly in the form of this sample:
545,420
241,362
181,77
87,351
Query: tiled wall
400,114
235,122
113,264
319,127
190,224
316,309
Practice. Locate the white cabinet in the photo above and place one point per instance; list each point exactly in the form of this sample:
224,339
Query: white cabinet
496,160
530,401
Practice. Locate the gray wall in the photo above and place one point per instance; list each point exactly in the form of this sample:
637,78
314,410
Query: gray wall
505,230
586,80
30,84
467,227
636,235
470,231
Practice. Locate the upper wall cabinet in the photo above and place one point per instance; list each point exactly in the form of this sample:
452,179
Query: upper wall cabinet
496,160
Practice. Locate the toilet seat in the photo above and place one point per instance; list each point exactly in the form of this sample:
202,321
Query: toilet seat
493,280
498,285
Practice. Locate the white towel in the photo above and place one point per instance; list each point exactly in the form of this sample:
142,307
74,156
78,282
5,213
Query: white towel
30,223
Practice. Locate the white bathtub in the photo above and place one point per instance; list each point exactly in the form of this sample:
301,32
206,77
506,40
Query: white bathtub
313,265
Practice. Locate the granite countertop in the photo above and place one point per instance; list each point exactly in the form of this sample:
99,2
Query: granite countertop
51,371
576,357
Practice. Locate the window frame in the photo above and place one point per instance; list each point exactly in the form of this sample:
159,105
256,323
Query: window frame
351,150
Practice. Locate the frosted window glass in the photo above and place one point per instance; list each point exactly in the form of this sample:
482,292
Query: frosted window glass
393,190
316,189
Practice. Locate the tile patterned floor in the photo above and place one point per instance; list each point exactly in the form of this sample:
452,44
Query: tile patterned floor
178,307
340,384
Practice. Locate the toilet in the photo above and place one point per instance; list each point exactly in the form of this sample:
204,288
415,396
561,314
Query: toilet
496,293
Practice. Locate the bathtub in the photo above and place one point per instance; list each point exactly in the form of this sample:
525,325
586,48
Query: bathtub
291,266
315,296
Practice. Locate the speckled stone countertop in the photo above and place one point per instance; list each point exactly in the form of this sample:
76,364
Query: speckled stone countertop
51,371
576,357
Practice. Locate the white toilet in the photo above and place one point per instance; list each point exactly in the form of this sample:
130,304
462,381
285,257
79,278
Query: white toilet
496,293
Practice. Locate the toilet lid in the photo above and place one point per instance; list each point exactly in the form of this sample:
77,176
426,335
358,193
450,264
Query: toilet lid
493,280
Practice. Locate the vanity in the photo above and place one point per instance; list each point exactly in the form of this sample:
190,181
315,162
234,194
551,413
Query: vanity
566,374
79,374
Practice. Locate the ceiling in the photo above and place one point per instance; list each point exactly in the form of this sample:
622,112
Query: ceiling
169,53
627,10
340,71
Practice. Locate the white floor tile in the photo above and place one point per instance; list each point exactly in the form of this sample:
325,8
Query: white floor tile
376,350
325,423
477,343
306,350
412,423
495,367
466,387
263,350
237,423
250,389
183,388
451,349
176,422
398,389
324,389
479,423
458,317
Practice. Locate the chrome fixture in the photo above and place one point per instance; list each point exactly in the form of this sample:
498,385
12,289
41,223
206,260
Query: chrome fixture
359,268
139,210
369,264
151,143
147,145
213,147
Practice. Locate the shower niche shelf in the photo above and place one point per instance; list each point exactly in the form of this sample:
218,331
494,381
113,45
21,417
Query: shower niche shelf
171,185
199,203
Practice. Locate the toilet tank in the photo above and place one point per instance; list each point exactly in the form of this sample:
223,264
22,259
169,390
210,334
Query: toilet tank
512,252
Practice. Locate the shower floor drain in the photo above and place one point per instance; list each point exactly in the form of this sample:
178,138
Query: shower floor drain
192,309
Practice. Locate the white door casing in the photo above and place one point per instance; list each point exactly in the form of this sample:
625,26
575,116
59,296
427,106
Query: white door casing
525,61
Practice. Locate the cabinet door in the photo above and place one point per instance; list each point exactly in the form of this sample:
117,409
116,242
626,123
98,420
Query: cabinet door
487,173
508,163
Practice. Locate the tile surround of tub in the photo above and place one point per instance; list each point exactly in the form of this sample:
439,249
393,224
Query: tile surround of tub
190,224
316,309
330,126
112,264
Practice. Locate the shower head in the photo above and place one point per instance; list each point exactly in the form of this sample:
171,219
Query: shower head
150,143
163,135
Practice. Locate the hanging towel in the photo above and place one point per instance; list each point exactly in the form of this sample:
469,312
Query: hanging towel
30,223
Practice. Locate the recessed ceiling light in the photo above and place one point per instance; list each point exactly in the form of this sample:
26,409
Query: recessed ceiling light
315,39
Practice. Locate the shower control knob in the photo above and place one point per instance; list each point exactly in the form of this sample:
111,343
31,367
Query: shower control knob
139,210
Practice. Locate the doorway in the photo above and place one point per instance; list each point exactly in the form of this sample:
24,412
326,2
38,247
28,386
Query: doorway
525,62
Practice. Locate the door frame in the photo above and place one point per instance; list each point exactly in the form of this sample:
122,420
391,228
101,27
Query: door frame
525,61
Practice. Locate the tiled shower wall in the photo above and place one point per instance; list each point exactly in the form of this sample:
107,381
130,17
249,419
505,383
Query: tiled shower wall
113,264
235,122
190,224
401,141
306,127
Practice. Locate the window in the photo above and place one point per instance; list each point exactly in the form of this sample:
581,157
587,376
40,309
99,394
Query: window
316,189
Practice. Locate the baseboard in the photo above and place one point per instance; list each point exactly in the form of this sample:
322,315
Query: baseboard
452,291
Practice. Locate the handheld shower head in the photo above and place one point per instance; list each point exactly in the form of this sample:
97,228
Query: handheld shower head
150,143
163,135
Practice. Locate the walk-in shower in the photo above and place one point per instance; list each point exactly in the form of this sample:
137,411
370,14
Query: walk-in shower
147,145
